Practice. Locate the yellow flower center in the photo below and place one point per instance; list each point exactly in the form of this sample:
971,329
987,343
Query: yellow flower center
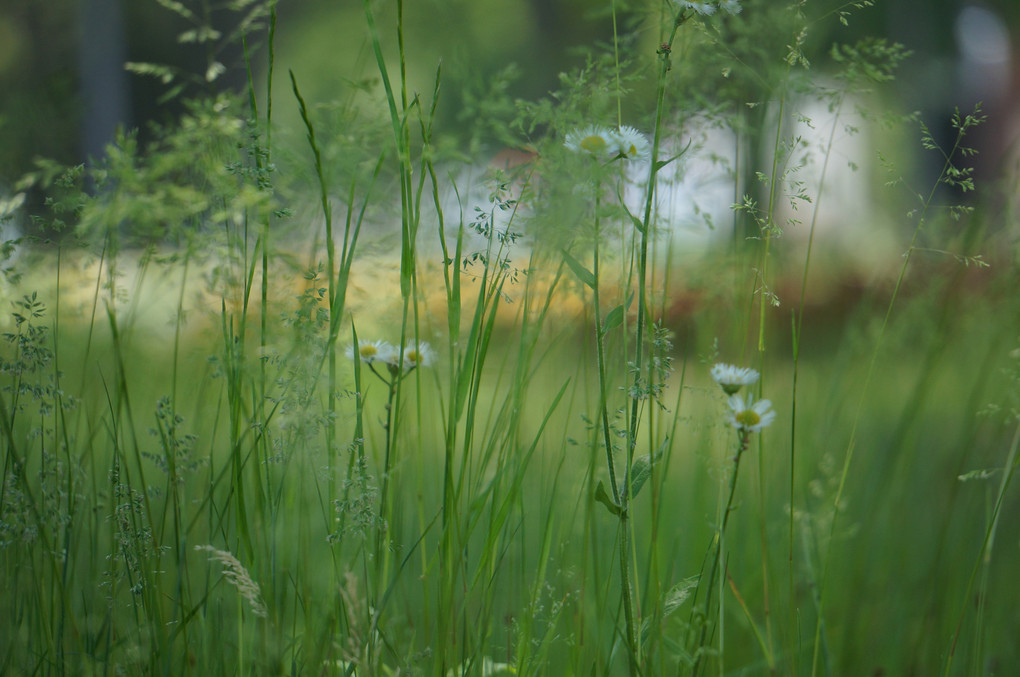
368,351
413,356
748,418
593,143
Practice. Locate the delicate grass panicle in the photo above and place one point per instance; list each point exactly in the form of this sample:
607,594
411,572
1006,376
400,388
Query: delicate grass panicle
239,577
529,474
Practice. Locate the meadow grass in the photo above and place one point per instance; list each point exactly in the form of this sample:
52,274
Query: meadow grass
493,437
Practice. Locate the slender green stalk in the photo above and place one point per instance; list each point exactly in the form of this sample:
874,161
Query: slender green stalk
619,493
962,127
408,228
623,499
764,294
770,227
985,553
797,322
744,438
327,213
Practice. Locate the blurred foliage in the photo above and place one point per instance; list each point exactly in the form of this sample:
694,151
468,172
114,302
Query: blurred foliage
189,181
38,109
505,65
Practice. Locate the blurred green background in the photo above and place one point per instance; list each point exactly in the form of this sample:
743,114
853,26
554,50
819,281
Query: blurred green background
64,89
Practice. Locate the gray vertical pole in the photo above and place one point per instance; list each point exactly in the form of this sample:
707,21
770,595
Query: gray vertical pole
104,85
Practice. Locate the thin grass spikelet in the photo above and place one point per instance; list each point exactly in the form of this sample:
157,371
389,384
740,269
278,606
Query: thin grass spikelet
235,572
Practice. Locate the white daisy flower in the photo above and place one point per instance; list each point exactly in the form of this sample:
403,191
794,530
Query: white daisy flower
704,8
631,144
417,354
730,6
733,378
749,416
595,140
372,351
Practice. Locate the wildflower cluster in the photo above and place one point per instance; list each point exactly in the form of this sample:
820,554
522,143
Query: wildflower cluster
746,415
398,362
602,143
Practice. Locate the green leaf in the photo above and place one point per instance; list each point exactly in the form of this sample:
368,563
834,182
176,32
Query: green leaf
215,70
583,274
602,497
642,469
638,223
671,601
614,318
678,594
163,73
177,8
662,163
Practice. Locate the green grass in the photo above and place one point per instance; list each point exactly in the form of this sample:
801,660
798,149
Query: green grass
197,480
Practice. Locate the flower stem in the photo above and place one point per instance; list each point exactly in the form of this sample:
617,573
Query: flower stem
745,437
